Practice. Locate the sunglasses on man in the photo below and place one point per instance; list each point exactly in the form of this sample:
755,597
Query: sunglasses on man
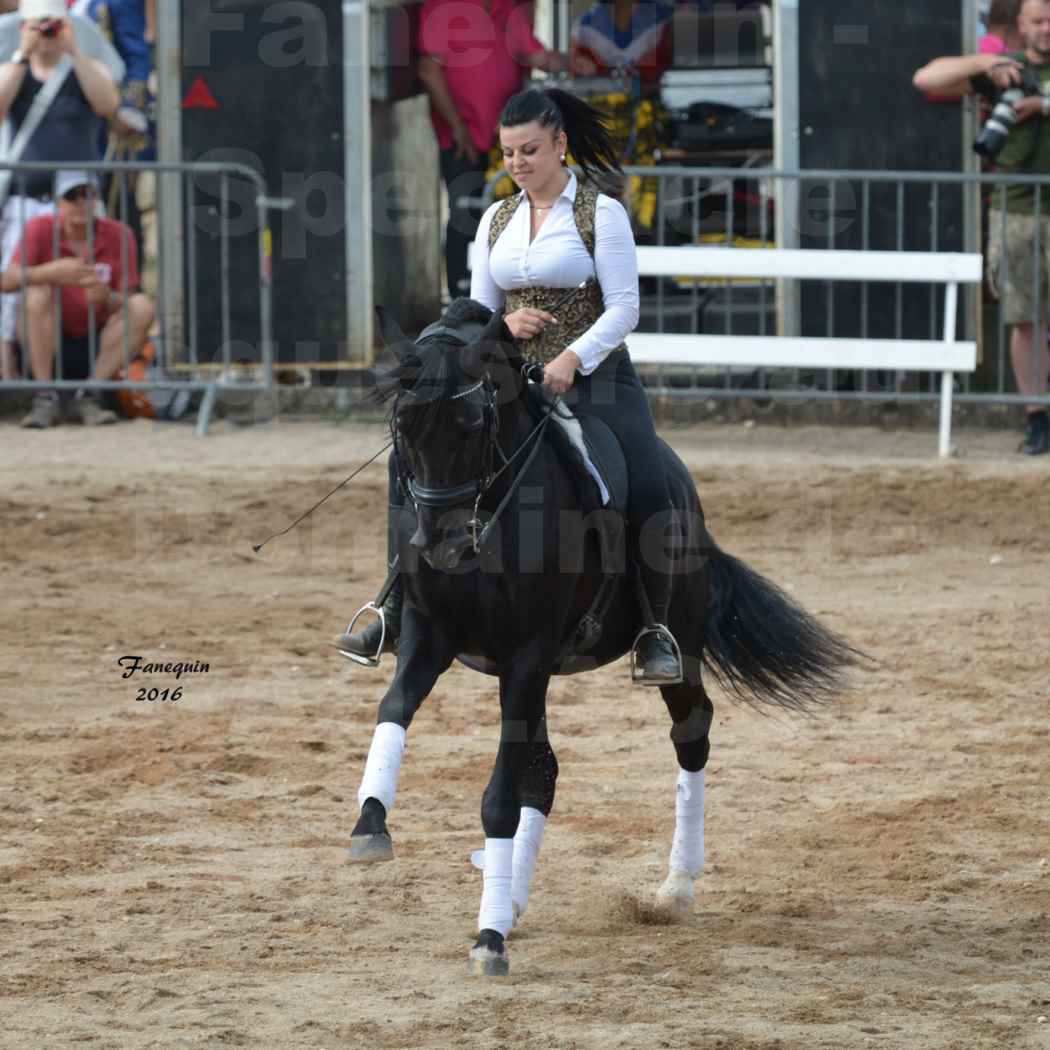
78,193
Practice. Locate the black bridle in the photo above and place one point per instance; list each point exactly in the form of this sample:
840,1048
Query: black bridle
487,474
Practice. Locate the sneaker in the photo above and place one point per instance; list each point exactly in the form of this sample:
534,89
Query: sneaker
44,412
91,413
1036,435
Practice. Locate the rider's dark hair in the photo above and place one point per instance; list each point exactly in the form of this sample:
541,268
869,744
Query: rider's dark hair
589,141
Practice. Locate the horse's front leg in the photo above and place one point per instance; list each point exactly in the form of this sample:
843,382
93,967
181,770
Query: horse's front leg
691,713
538,787
523,731
424,654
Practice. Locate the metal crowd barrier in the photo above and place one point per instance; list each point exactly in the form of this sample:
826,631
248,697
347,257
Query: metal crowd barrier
203,343
743,209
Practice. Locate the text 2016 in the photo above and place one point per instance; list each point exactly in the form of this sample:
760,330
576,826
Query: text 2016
150,695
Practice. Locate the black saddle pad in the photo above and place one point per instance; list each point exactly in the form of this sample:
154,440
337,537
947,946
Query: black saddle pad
607,456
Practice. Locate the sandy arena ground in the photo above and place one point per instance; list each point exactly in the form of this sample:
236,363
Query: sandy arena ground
172,875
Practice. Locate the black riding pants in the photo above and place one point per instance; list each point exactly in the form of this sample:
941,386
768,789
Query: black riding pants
614,393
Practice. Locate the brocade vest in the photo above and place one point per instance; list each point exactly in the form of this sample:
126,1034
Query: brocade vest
584,306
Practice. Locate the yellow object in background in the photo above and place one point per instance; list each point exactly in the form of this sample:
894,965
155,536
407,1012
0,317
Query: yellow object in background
638,130
715,240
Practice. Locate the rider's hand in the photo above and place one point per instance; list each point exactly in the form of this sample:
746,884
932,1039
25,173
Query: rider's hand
527,322
560,374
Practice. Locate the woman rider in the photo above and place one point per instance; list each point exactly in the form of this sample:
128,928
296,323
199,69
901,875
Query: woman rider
529,250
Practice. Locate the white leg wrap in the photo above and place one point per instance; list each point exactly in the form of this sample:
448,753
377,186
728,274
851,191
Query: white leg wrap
687,848
496,912
383,765
527,844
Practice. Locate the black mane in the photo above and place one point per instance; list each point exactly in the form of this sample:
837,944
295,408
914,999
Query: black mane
465,311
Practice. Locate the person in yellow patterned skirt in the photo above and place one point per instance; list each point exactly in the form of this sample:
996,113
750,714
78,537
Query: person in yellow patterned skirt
530,249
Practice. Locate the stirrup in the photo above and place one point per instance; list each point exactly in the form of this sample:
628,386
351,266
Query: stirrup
656,628
367,661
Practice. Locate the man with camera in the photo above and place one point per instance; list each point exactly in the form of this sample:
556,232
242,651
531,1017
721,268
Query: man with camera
1017,135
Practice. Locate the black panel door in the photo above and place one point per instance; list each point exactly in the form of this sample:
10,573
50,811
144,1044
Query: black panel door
859,110
275,75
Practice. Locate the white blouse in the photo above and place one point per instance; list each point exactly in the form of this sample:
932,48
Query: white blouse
558,258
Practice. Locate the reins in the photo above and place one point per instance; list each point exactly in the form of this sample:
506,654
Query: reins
537,431
480,486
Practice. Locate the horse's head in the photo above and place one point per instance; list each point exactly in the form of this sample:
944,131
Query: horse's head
447,388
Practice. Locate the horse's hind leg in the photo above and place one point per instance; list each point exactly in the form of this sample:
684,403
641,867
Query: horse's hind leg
691,713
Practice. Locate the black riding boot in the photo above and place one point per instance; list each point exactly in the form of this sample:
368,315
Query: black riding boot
657,659
366,643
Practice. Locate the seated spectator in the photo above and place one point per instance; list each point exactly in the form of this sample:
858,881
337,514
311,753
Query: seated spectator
95,291
71,128
626,37
1003,35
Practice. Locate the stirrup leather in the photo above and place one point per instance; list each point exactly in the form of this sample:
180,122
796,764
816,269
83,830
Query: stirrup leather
367,661
656,628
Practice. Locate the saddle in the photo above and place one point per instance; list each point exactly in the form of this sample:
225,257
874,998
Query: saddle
592,452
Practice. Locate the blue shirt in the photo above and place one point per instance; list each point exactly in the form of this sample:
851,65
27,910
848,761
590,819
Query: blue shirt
127,23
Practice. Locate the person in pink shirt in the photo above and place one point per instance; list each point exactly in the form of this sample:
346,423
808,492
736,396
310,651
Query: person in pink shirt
1003,34
474,56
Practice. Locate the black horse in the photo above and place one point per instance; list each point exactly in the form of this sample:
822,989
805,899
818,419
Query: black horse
512,565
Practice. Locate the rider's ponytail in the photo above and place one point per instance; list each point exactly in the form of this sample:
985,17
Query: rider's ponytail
588,137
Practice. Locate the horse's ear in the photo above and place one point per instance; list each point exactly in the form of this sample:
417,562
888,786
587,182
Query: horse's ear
389,330
394,370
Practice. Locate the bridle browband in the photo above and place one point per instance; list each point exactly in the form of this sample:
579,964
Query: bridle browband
477,488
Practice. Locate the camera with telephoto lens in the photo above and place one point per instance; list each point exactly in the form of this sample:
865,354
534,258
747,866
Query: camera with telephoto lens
1003,117
49,27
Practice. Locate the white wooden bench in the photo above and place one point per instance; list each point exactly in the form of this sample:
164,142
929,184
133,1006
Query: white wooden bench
946,356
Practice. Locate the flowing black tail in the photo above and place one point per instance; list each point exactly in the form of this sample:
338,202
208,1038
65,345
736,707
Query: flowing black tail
763,647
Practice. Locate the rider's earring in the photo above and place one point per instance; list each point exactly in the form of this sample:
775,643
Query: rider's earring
563,158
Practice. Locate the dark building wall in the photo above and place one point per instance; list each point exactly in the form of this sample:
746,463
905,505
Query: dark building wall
276,73
859,110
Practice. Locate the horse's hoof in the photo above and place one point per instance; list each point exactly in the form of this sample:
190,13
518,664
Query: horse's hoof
488,957
370,849
676,894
